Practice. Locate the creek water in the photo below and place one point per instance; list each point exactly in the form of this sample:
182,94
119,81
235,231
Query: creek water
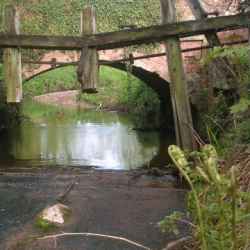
82,138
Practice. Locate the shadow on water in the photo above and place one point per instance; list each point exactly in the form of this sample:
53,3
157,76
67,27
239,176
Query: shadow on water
53,136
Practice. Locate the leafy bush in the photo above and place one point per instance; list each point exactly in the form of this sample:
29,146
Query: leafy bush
224,119
240,134
142,102
218,209
237,64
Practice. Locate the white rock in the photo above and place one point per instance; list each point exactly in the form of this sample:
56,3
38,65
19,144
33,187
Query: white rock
55,213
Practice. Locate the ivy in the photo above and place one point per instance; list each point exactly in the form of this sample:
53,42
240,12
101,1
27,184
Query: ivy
63,17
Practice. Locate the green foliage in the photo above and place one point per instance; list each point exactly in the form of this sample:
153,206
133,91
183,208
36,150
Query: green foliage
44,225
219,210
240,107
239,134
237,61
63,17
215,121
224,121
142,102
55,80
170,223
1,72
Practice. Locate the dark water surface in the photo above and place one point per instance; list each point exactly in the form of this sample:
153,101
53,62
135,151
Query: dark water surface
82,138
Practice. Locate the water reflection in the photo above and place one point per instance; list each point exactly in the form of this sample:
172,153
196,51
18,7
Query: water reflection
54,136
105,140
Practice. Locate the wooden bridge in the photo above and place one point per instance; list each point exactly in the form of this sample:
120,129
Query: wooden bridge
90,42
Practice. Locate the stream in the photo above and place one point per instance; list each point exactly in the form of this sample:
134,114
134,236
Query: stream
58,137
106,202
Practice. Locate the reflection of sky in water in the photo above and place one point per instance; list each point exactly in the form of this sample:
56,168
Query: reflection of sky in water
113,145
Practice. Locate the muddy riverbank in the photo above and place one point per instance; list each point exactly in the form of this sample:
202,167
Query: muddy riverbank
122,203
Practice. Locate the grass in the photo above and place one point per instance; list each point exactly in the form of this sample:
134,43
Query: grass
56,80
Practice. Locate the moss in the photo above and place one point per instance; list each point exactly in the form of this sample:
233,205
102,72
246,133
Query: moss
44,225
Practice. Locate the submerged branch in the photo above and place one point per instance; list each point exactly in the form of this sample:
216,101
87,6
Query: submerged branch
95,235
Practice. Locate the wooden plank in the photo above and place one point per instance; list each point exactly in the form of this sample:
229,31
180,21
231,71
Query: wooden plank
178,87
136,57
12,59
127,37
88,68
200,13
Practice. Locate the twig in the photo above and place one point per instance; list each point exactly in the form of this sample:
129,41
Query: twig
94,235
186,222
177,243
63,196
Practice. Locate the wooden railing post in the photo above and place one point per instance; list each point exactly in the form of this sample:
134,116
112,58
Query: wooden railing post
87,71
178,86
12,59
199,13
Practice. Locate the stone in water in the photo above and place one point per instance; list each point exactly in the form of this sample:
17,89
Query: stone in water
55,213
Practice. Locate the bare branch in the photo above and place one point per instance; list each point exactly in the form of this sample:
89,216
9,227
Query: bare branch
177,243
95,235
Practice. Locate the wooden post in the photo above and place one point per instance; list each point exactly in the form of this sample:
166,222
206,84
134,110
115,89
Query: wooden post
12,59
87,71
199,14
178,86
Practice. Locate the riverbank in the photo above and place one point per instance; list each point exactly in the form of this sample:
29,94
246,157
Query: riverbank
120,203
65,99
69,99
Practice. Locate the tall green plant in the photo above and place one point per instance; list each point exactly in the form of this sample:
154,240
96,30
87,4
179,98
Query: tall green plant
219,210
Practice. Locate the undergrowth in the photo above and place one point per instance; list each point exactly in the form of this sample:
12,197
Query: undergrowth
218,209
226,120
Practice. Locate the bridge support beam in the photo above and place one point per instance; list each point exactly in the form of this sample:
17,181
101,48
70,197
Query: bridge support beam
178,86
12,59
199,13
88,68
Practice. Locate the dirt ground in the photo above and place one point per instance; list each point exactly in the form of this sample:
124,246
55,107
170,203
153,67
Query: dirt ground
119,203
